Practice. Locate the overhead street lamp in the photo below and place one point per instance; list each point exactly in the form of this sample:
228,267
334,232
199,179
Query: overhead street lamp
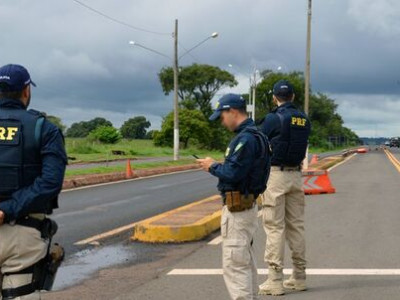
176,84
212,36
133,43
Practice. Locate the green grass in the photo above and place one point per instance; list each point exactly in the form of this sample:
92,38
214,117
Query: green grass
85,151
121,168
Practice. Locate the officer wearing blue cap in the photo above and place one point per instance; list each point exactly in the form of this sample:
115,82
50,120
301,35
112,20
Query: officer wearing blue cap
288,130
32,166
242,177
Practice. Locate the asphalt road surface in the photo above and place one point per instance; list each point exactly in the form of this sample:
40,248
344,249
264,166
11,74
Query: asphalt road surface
353,233
94,210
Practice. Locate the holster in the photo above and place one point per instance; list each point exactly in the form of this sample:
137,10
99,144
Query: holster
235,201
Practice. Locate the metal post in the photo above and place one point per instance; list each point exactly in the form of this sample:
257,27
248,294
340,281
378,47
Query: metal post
176,118
307,75
253,102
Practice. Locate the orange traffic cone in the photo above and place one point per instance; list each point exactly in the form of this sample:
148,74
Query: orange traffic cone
314,159
317,182
129,173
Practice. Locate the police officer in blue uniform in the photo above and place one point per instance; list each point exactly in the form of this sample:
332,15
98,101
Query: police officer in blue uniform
32,166
288,130
242,177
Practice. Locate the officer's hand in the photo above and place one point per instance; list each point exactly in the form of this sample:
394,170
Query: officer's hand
1,217
205,163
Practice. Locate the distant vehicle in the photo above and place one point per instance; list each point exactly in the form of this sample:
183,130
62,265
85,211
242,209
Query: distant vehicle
395,142
387,143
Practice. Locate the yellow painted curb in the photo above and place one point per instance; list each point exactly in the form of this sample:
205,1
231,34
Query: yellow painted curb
147,231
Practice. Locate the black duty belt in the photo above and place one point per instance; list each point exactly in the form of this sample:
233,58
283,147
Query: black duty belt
30,222
287,168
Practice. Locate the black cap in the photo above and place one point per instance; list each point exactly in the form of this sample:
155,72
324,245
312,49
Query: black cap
13,78
283,88
226,102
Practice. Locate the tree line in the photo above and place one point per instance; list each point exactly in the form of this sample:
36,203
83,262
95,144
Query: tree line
198,85
103,130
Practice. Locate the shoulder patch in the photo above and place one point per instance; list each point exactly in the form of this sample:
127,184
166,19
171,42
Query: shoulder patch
239,146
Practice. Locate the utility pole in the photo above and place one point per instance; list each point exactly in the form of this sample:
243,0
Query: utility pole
176,115
253,102
307,83
307,75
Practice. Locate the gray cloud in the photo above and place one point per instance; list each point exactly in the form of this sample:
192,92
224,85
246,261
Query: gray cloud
85,67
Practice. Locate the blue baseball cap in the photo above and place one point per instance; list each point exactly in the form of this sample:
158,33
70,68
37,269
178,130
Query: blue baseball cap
227,102
13,78
283,88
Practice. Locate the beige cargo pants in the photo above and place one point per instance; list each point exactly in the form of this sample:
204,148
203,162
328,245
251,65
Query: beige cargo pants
238,261
20,247
283,218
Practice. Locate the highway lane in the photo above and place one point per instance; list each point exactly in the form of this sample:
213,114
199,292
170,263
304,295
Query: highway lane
93,210
357,228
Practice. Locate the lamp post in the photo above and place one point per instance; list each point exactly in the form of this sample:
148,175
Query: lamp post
175,65
307,75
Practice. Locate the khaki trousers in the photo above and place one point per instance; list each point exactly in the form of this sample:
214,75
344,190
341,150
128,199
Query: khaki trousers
238,261
283,218
20,248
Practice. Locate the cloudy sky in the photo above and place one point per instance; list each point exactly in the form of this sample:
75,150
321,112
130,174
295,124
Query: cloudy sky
84,66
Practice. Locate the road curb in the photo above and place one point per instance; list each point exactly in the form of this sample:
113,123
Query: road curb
86,180
191,222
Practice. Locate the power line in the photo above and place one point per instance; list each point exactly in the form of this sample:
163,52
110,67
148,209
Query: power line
186,50
118,21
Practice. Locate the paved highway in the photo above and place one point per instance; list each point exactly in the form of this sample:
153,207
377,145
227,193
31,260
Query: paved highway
94,210
354,232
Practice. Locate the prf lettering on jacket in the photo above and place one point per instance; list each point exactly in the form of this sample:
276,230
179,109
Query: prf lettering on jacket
299,121
8,133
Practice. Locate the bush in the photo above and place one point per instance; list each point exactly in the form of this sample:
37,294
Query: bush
105,134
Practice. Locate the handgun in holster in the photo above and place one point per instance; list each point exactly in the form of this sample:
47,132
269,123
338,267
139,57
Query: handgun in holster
236,202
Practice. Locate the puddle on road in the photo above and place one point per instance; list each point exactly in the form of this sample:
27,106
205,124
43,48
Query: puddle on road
84,263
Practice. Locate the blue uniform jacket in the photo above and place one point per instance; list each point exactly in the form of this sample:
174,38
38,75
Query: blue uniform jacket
240,156
47,186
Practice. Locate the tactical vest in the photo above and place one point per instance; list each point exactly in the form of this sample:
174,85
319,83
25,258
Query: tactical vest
20,161
256,180
290,146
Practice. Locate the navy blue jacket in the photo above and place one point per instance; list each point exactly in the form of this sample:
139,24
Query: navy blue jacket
47,186
247,162
288,130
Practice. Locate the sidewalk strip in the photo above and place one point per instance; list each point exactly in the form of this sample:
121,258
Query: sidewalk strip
326,272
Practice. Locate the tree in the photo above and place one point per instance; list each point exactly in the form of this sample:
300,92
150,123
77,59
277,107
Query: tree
56,121
264,102
105,134
135,128
83,128
193,127
325,120
198,84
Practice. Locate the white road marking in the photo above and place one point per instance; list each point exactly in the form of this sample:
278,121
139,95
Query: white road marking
326,272
341,163
105,235
216,241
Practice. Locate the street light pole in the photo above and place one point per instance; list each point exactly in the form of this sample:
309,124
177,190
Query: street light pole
176,115
307,75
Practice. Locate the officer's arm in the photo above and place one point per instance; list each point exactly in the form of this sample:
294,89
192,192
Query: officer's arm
45,187
271,126
237,165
